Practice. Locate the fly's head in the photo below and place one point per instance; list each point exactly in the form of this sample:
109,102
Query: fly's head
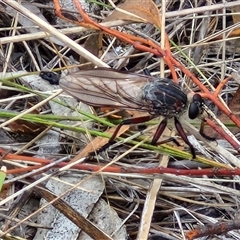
52,77
165,97
196,106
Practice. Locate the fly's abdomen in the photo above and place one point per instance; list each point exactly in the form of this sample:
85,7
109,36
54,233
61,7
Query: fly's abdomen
165,97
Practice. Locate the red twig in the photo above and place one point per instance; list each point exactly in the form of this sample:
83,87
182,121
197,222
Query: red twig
117,169
211,229
221,85
222,133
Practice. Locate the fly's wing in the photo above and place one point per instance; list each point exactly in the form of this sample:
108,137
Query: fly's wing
106,87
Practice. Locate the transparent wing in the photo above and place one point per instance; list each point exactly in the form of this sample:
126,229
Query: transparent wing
107,87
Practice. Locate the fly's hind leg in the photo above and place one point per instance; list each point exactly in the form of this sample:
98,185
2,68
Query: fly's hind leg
124,122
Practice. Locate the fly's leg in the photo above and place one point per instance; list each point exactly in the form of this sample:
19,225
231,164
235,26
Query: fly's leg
201,131
124,122
157,135
183,135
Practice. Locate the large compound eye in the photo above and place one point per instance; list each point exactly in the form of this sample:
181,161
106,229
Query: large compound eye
195,106
193,110
51,77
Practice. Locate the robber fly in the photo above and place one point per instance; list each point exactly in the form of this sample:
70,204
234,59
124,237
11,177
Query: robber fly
111,88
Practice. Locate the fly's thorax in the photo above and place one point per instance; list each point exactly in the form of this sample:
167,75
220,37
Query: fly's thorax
164,97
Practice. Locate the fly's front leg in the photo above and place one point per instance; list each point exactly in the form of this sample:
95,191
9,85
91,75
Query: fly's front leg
124,122
159,132
183,135
201,131
197,108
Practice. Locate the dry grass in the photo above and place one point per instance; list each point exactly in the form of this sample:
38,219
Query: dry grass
153,206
